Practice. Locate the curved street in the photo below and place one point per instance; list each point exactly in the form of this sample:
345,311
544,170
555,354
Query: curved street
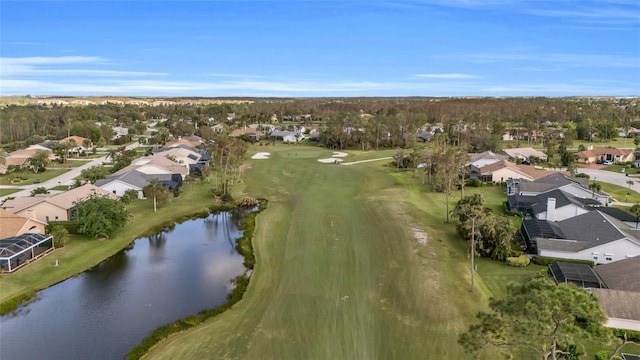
63,179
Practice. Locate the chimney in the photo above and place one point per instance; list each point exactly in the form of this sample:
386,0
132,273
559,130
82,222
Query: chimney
551,209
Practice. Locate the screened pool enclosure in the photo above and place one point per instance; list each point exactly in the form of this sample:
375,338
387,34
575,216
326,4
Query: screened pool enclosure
20,250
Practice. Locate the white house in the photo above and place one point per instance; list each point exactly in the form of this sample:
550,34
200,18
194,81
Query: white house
591,236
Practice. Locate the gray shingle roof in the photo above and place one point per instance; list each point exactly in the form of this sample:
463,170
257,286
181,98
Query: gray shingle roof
582,232
619,304
621,275
619,214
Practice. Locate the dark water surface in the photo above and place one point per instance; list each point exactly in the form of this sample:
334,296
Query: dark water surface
106,311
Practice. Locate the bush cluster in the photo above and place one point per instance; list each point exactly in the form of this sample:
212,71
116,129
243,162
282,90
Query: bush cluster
544,260
519,261
71,226
247,201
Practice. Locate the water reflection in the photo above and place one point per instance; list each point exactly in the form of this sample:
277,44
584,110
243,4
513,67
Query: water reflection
107,310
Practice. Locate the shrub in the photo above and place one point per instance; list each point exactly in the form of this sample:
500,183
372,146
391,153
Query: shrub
582,175
70,226
544,260
39,190
520,261
602,355
247,201
475,183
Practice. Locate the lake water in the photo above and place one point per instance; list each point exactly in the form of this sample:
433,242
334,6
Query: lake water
106,311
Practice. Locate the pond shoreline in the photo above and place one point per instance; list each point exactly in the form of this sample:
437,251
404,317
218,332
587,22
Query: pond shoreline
245,248
14,303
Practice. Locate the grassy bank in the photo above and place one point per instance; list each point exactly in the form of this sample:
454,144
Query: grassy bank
81,254
341,271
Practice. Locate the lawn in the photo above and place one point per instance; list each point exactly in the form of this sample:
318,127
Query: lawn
4,192
620,192
71,163
340,272
31,178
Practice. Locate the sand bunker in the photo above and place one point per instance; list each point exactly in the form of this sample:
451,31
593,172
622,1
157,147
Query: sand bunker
330,161
339,154
261,155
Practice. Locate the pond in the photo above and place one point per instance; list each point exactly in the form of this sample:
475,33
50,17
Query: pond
106,311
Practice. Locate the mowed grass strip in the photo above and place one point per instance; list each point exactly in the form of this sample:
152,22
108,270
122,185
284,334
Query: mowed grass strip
340,274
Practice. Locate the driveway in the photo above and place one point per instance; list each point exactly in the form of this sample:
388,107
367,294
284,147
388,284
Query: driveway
63,179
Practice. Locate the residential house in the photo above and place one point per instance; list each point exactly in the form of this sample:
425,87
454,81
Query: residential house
575,186
119,131
554,205
192,158
506,136
191,140
18,158
504,170
14,225
59,207
535,135
81,144
636,162
46,145
616,274
424,136
154,165
525,153
591,236
249,132
136,181
599,155
621,299
286,136
628,218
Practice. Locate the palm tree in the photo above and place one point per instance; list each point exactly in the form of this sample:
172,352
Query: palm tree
154,189
39,160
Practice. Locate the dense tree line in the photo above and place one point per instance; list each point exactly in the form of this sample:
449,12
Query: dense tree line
387,121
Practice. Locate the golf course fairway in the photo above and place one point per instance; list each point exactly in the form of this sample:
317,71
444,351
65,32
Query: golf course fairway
352,263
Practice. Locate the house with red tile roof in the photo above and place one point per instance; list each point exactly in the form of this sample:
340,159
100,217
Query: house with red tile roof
605,154
14,225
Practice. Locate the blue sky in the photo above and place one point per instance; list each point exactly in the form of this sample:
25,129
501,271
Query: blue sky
320,48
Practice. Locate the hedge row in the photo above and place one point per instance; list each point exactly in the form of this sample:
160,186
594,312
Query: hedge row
544,260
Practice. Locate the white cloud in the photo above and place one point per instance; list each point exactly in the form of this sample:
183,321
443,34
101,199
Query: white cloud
447,76
571,60
32,66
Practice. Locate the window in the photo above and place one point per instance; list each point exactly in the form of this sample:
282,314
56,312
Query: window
608,258
595,257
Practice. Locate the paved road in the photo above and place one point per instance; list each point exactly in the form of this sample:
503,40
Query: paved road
611,178
64,179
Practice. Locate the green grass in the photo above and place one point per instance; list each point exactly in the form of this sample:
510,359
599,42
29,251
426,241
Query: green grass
620,192
31,178
339,272
71,163
4,192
